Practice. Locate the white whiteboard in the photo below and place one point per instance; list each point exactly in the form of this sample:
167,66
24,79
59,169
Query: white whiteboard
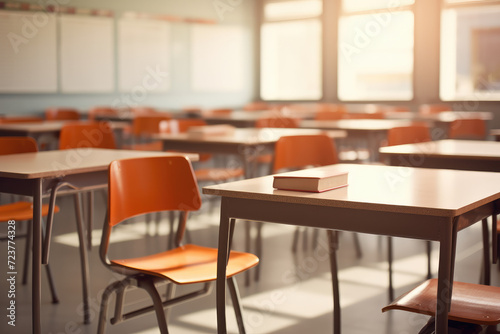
217,58
87,54
143,55
28,52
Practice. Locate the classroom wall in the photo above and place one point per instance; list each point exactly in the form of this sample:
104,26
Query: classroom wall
240,13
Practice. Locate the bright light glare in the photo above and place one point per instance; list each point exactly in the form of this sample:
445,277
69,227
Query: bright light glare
360,5
376,57
293,9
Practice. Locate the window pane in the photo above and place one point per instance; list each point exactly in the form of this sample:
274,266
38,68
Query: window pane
297,9
376,57
360,5
470,54
291,61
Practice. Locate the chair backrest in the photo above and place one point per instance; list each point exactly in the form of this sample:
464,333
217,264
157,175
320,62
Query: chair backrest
165,183
218,112
86,134
331,107
62,114
147,124
296,152
143,110
468,129
21,119
102,111
329,115
256,106
408,135
12,145
277,122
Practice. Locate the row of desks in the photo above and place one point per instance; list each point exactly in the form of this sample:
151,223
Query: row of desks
394,208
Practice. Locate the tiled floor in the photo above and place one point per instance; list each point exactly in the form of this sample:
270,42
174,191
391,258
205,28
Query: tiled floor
293,296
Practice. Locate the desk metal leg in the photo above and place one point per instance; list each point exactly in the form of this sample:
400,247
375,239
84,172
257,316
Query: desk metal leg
222,258
333,245
37,256
447,248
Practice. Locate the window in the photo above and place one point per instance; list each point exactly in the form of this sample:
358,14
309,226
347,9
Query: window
470,51
375,50
291,50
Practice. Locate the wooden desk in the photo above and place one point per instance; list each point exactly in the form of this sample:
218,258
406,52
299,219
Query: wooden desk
35,175
246,143
49,129
429,204
238,118
373,132
450,154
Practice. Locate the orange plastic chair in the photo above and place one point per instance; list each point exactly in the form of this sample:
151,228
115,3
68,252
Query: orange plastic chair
143,127
110,111
329,115
21,210
21,119
408,135
468,129
212,174
277,122
62,114
256,106
166,183
86,134
217,112
470,303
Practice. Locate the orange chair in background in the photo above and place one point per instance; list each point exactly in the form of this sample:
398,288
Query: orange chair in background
277,122
86,134
21,119
365,115
143,127
166,184
109,111
256,106
208,174
62,114
329,115
468,128
21,210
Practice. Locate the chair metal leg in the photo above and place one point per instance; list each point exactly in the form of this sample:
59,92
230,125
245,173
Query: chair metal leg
428,245
357,245
486,253
83,258
235,297
333,246
149,286
170,294
101,326
90,218
258,249
248,231
27,250
295,241
389,261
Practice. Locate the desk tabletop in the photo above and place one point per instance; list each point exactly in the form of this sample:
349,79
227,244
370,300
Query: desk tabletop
247,136
45,126
445,116
355,124
473,149
67,162
436,192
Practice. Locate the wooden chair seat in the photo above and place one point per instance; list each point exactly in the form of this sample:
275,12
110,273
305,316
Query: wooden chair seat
472,303
21,211
188,264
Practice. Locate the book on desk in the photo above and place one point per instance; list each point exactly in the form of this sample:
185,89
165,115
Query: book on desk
310,180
